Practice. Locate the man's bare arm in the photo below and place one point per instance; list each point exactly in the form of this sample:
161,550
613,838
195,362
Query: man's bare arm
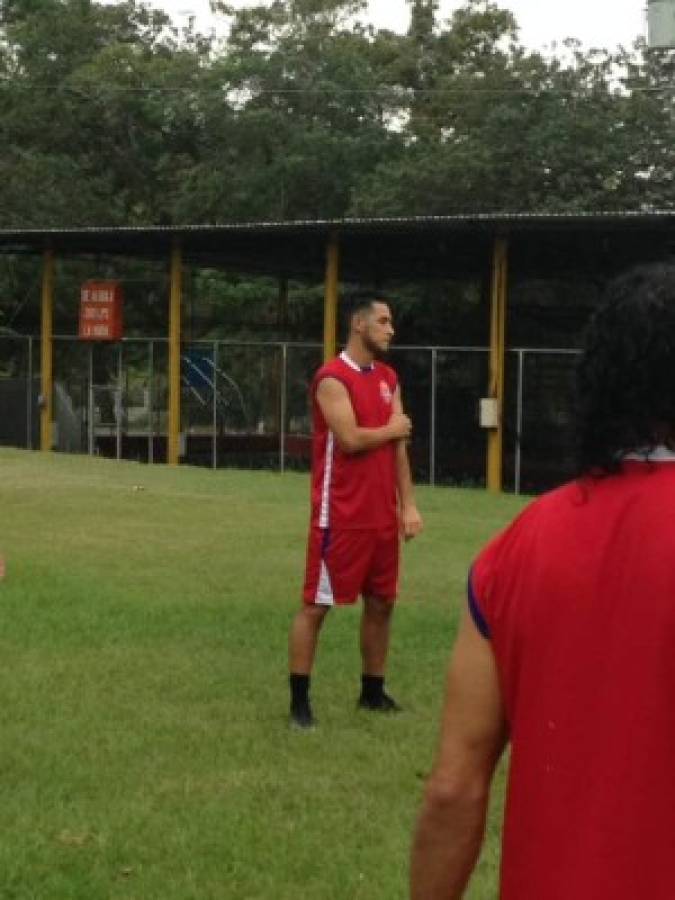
333,398
410,518
452,821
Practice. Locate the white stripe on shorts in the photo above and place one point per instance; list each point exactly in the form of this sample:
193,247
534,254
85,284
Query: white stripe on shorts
324,591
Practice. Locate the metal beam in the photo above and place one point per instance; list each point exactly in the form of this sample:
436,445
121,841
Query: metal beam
497,356
47,354
175,298
331,298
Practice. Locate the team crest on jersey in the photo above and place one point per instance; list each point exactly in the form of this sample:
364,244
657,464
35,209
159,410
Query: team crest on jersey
385,392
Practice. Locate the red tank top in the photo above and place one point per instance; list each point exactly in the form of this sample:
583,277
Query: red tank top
578,599
354,490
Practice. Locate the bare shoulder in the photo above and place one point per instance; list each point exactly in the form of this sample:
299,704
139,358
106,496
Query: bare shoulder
335,404
331,388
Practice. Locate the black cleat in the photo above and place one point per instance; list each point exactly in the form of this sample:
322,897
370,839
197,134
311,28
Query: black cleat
301,717
384,703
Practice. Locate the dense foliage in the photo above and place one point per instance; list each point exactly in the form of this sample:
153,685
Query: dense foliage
113,115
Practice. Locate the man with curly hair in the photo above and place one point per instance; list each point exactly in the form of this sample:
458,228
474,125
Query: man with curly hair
567,648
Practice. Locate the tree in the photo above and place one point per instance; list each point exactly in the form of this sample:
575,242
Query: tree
110,115
93,111
297,112
501,128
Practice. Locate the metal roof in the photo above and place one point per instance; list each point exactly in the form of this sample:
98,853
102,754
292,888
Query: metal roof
376,248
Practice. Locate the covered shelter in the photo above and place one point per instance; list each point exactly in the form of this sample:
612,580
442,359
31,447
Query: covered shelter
490,247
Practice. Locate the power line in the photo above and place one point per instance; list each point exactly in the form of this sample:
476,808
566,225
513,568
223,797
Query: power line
391,93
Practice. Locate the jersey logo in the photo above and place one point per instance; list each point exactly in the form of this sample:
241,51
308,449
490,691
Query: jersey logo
385,392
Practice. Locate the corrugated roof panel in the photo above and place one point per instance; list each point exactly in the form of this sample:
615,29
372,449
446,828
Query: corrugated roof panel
418,247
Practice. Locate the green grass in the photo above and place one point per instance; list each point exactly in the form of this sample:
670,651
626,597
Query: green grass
144,750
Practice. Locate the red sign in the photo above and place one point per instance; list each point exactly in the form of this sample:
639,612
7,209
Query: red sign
101,311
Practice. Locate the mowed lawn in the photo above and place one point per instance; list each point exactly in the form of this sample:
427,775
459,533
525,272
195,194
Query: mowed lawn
144,746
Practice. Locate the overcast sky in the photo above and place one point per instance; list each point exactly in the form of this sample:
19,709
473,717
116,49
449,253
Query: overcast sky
597,23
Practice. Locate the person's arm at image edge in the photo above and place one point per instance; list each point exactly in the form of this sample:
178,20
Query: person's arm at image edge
333,398
451,824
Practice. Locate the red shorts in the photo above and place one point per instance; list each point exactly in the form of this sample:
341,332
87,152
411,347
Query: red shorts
344,563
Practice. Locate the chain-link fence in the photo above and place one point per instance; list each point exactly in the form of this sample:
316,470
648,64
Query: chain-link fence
246,405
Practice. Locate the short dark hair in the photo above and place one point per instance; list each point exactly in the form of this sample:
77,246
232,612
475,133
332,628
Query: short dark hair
626,374
359,302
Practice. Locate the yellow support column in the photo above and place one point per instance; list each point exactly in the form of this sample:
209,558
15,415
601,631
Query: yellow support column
497,358
173,436
331,298
46,367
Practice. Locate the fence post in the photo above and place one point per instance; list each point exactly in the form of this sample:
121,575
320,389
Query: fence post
519,420
497,349
331,298
214,443
151,401
118,404
47,353
432,427
282,408
90,402
173,435
29,396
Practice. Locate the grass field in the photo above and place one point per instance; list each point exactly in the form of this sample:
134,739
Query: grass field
144,748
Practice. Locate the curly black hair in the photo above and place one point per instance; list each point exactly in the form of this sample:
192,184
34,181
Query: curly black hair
626,375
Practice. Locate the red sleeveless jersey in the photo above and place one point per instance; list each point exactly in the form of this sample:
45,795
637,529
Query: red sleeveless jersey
354,490
578,599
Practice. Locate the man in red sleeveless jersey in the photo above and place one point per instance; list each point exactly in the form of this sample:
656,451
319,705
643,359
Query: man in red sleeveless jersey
567,648
362,502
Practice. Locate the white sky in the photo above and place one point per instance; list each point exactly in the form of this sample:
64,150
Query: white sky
596,23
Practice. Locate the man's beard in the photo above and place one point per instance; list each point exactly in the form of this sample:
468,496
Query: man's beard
372,347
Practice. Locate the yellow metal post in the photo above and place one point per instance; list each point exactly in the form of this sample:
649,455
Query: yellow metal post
497,357
46,367
176,290
331,298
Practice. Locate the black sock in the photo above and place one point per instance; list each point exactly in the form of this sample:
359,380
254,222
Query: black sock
299,685
372,687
